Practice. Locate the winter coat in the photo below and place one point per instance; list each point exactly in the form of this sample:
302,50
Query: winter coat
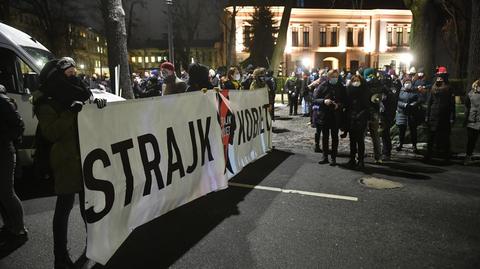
357,107
59,126
11,124
388,107
291,87
407,106
328,115
231,85
440,108
472,110
174,85
257,85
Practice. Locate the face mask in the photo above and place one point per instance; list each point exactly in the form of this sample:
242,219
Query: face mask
333,81
236,77
356,84
420,75
408,86
368,79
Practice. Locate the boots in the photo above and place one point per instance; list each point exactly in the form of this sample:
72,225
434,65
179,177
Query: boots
317,148
361,164
324,160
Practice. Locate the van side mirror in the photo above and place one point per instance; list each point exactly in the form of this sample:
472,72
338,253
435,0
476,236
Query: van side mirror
30,82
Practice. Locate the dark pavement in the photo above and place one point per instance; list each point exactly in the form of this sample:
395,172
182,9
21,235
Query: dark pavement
432,222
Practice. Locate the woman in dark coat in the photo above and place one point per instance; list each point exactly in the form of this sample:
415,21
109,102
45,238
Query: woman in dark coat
56,105
440,116
330,98
357,104
408,104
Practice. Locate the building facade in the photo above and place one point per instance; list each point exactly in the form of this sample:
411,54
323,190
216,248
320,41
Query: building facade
338,38
150,55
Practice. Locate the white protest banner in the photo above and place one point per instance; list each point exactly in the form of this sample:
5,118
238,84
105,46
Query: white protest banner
247,124
143,158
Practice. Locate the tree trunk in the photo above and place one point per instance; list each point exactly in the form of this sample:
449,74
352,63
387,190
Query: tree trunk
422,42
231,37
114,17
281,40
474,59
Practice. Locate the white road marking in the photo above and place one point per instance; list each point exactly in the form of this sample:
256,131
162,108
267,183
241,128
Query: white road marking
317,194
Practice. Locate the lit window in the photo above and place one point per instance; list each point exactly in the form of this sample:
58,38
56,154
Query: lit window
323,37
306,37
134,60
140,59
159,59
152,59
98,39
146,59
294,37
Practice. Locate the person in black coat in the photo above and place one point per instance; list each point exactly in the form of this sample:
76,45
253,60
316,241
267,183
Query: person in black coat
330,97
293,86
357,108
388,107
440,116
13,233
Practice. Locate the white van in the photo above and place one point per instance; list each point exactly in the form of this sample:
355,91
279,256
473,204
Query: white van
22,58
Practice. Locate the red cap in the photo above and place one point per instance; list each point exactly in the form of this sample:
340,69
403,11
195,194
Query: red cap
167,65
442,70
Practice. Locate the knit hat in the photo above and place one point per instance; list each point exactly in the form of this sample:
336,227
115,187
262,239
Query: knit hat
168,66
154,72
65,62
368,72
442,70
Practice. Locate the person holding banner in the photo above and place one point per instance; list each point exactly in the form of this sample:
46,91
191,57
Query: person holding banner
233,79
56,105
259,78
170,79
198,78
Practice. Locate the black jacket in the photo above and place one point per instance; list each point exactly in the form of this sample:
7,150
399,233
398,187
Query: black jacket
328,115
357,106
440,108
11,124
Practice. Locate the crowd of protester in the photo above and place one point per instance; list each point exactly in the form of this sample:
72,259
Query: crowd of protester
372,101
367,101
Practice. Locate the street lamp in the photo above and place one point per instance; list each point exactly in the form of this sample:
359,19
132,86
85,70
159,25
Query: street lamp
171,54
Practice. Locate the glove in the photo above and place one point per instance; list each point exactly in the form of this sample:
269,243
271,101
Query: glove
76,106
101,103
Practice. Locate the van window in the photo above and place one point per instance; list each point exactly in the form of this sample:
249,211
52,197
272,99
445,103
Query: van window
14,73
8,76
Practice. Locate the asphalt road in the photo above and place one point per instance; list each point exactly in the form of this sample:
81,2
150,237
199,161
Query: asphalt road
433,221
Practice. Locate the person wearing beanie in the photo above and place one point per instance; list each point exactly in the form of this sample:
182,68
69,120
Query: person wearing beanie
472,120
59,99
409,101
440,116
259,78
172,83
198,77
376,90
330,98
